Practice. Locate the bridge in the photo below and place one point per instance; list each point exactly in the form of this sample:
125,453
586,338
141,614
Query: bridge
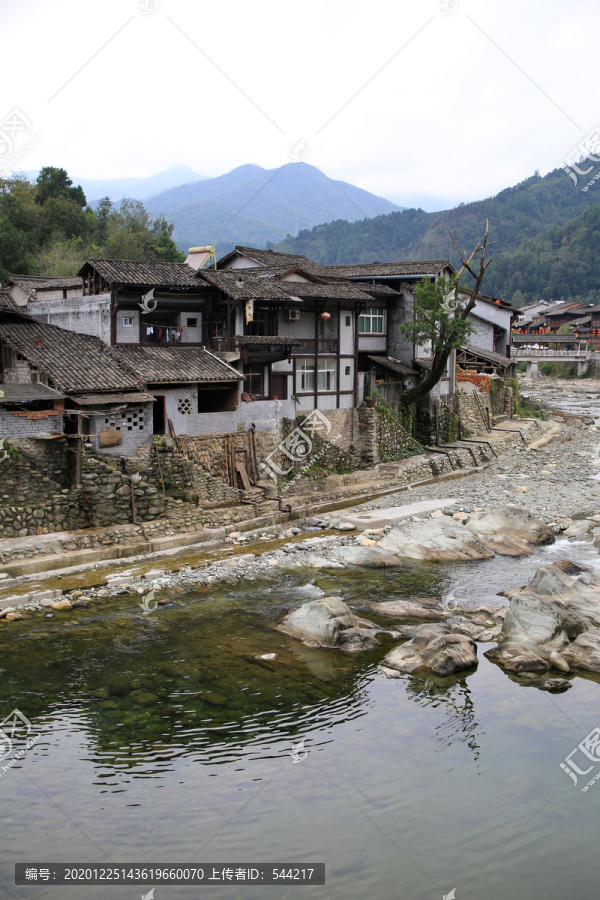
536,348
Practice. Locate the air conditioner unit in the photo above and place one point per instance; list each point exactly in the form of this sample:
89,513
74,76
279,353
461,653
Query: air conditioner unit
292,315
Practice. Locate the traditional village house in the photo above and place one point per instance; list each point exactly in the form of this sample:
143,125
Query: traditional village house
58,382
160,324
23,288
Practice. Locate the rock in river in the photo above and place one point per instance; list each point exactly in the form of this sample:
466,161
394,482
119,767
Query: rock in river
552,622
405,609
435,540
435,648
328,622
372,557
510,520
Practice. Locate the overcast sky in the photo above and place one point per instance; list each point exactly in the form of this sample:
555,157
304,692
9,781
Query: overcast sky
455,99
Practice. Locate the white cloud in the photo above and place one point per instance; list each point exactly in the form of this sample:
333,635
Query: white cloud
476,100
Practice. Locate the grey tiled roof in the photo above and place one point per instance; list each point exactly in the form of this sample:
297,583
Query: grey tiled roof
393,364
389,269
142,274
39,282
336,290
307,267
99,399
490,355
175,365
7,302
266,257
75,363
23,393
378,290
245,286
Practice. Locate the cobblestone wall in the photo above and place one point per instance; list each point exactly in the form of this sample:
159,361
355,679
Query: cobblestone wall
35,503
471,418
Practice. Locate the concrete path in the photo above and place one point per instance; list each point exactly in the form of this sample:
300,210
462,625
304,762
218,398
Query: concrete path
379,518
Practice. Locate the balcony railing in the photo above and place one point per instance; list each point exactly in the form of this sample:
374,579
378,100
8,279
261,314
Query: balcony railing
223,344
324,345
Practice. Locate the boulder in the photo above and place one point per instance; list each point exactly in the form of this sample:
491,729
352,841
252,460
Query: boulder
434,540
61,604
510,520
579,527
433,648
584,651
553,622
506,544
372,557
555,685
328,622
405,609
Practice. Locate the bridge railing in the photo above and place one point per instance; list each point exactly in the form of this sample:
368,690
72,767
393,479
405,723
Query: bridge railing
522,352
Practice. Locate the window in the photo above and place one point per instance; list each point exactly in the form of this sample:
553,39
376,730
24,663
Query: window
347,370
259,324
254,381
326,375
372,321
128,320
306,374
192,323
348,321
130,420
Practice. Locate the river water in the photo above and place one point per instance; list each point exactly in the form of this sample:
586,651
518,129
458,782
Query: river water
162,739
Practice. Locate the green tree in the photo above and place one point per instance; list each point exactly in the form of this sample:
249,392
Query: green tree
52,183
518,300
103,212
441,316
132,235
565,329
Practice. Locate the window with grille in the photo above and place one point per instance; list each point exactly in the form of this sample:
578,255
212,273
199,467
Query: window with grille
372,321
184,405
129,420
254,380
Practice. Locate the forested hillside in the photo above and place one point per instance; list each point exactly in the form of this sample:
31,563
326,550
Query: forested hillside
47,228
526,222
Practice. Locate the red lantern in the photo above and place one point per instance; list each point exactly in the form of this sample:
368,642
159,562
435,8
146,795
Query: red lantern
325,315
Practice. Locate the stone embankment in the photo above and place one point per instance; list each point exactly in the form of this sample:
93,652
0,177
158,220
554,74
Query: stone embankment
187,524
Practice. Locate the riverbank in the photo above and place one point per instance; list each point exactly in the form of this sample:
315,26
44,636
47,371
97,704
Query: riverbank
544,468
38,561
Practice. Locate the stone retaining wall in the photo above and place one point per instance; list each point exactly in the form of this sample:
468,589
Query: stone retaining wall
104,498
473,417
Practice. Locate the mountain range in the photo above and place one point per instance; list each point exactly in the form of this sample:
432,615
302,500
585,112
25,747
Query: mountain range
251,205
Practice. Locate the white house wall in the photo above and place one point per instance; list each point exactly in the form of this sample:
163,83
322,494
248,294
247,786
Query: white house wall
347,332
483,336
84,315
265,414
134,423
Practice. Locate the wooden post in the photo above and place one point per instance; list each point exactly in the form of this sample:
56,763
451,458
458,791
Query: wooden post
78,457
132,501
